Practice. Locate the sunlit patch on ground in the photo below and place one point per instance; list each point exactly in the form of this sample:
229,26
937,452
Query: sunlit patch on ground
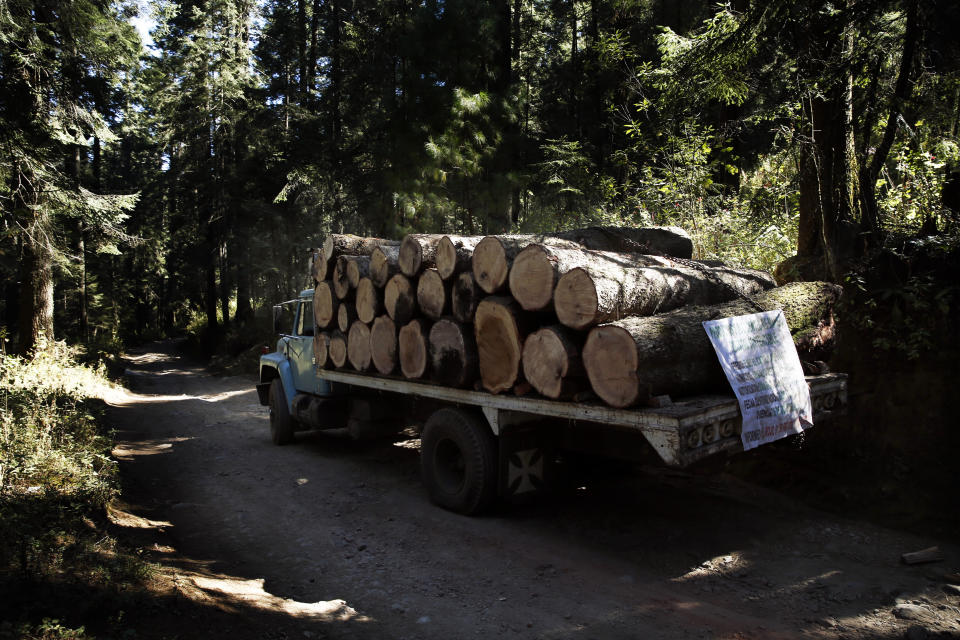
229,592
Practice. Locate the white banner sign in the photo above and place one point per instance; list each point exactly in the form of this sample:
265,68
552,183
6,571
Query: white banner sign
762,365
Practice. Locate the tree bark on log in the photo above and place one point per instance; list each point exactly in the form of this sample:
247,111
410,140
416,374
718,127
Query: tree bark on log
465,297
418,251
337,350
633,359
400,299
358,346
413,349
500,326
346,316
369,300
325,305
321,347
345,244
453,354
454,254
552,363
383,264
665,241
433,294
383,345
604,290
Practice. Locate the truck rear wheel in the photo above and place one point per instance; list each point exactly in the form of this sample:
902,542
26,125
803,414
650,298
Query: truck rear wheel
281,423
458,461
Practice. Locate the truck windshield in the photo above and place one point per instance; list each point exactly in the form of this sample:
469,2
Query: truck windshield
305,319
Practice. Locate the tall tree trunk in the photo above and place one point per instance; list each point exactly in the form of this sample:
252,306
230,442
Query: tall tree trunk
36,284
901,94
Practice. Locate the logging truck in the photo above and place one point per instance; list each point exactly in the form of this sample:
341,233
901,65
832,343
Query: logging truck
478,446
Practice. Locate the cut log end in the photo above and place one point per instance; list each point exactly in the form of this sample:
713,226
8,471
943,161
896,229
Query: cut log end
499,343
383,264
411,257
532,278
490,265
383,345
446,257
338,349
432,296
400,299
368,300
610,358
550,360
465,297
321,346
575,299
358,346
412,349
453,354
325,305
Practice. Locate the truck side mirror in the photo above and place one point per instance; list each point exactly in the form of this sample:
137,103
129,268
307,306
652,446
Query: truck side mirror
277,316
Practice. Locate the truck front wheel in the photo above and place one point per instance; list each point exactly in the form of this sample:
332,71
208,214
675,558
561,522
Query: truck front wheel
458,461
281,423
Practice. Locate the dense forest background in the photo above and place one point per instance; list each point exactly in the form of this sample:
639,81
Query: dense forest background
144,192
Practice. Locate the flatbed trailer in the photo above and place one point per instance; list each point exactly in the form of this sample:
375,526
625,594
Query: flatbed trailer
475,445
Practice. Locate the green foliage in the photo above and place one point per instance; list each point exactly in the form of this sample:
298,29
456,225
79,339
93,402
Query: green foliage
56,466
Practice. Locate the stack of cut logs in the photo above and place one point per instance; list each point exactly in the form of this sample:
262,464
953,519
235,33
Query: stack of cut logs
610,311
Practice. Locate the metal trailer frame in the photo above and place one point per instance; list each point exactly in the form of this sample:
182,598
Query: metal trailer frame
681,433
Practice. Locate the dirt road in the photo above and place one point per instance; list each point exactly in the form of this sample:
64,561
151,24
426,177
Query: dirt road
330,538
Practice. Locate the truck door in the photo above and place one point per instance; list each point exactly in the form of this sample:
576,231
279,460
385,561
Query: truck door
300,349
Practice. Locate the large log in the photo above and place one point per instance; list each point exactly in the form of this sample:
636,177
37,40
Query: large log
383,264
418,251
338,349
345,244
453,354
325,305
433,294
413,349
666,241
400,299
551,362
633,359
383,345
454,254
321,347
606,290
538,267
369,300
465,297
500,326
493,256
358,346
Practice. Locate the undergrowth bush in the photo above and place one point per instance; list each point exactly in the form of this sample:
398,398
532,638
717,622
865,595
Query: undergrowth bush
56,478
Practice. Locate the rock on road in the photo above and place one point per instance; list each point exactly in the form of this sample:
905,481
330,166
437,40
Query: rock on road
337,539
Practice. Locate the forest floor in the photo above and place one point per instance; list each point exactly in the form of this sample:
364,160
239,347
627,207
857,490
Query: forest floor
329,538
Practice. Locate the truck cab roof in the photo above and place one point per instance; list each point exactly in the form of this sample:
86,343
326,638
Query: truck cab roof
307,294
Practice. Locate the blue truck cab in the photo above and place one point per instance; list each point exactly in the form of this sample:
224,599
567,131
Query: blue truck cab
298,398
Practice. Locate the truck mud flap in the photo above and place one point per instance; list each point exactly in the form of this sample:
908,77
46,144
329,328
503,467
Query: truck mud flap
526,461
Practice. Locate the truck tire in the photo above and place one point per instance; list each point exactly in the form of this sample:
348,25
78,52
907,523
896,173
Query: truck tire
458,461
281,423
